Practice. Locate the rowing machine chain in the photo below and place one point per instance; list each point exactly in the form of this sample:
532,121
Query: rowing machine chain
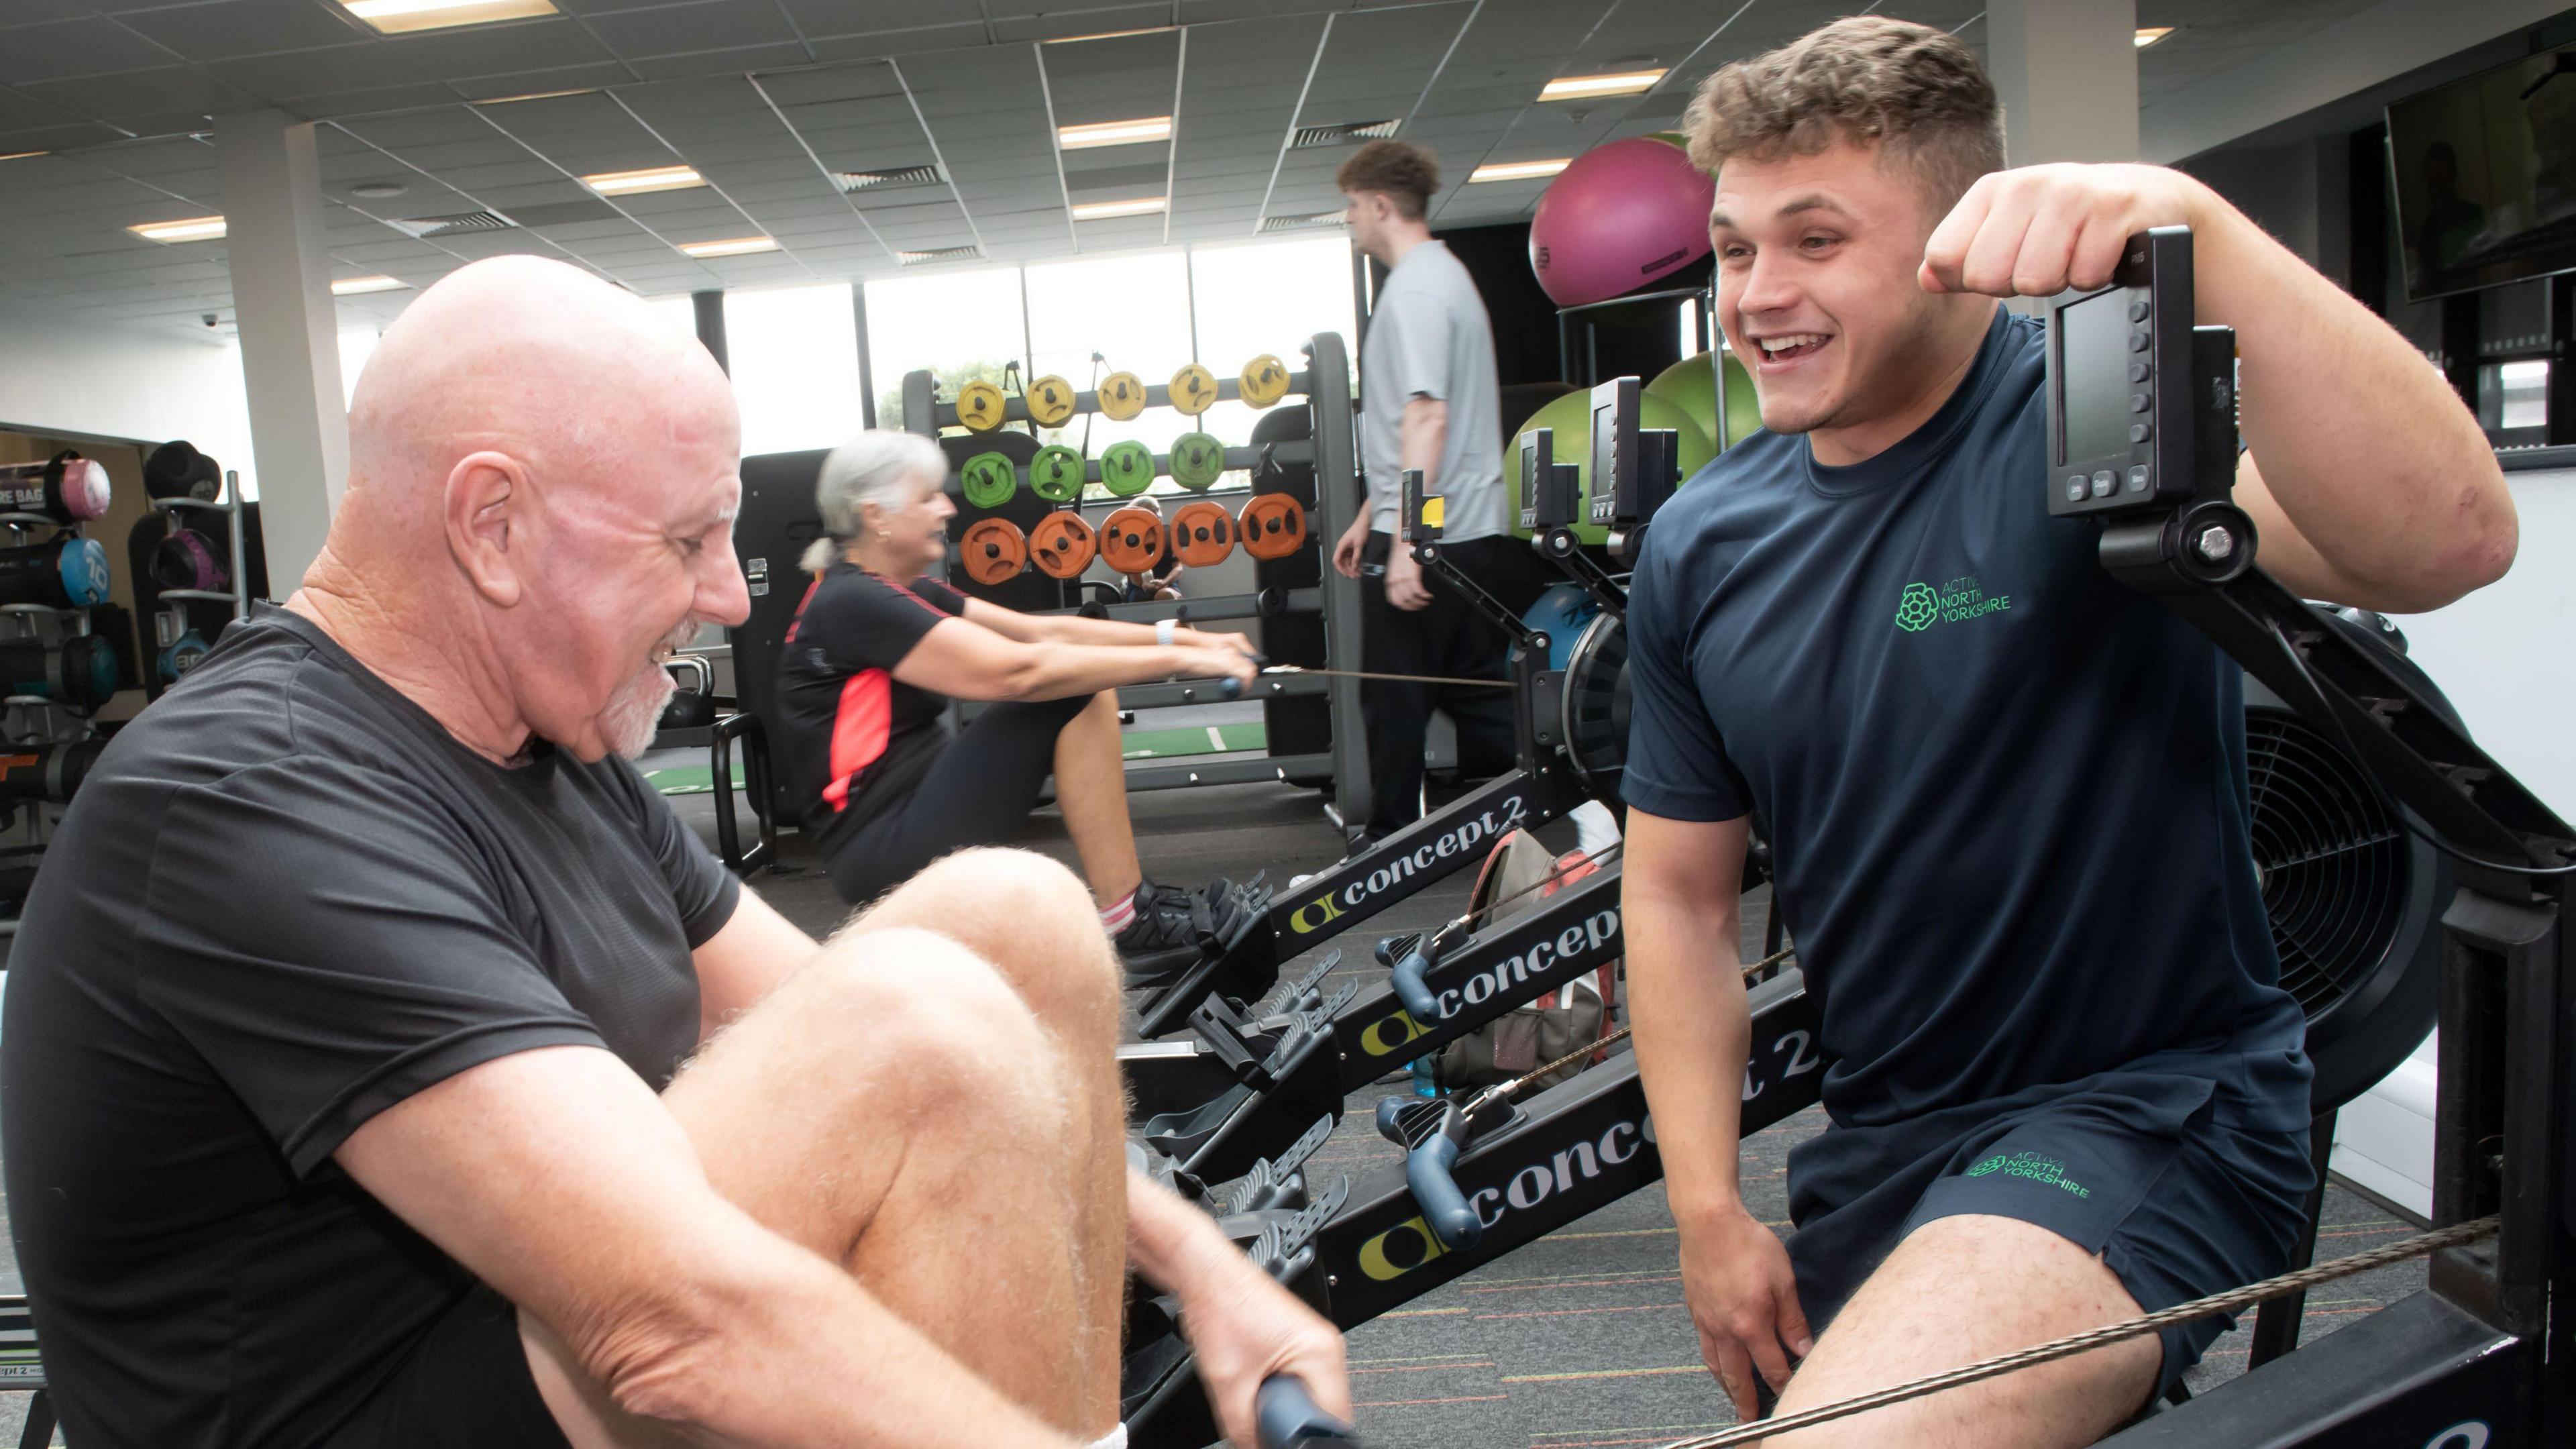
2092,1338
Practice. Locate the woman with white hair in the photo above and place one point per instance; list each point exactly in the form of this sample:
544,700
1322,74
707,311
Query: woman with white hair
879,648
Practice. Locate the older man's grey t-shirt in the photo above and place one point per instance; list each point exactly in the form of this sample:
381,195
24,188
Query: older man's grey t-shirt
1429,337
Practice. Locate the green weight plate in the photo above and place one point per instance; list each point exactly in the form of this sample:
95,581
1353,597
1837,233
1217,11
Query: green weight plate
1127,469
990,480
1197,459
1055,474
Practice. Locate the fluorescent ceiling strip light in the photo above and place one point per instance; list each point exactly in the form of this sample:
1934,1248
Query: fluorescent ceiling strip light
1103,210
1108,35
738,246
1114,133
1587,87
352,286
2150,34
655,178
539,96
1518,170
396,16
23,155
200,228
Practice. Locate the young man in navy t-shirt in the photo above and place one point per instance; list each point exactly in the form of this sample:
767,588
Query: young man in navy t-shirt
2005,796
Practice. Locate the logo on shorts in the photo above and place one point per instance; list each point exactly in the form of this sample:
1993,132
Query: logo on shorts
1955,602
2033,1166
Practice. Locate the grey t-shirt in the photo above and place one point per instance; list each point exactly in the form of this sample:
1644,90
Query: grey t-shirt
1429,337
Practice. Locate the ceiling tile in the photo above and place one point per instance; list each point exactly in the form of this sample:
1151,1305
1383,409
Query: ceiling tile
720,62
229,28
327,70
161,89
679,29
60,48
499,49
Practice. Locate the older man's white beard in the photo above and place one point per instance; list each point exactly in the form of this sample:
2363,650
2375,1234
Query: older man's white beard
634,712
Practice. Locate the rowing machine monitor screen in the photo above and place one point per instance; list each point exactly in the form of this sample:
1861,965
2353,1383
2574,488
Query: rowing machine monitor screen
2121,384
1614,446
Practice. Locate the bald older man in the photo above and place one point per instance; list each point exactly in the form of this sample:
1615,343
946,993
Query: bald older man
345,1097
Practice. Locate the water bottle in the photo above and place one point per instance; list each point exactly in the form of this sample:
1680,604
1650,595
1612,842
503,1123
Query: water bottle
1423,1083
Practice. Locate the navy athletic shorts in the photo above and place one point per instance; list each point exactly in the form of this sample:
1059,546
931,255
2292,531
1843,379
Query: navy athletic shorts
464,1385
2188,1173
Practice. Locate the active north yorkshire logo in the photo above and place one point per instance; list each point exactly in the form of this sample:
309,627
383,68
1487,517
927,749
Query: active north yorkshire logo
1957,601
2033,1166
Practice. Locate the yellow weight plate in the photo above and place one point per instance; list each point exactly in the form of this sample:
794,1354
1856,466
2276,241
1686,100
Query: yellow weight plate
1193,388
1121,395
1264,380
979,406
1050,401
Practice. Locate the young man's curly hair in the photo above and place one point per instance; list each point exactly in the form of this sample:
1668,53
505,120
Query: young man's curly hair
1406,174
1911,90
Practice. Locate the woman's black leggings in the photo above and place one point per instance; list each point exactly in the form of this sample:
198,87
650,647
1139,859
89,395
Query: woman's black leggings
979,791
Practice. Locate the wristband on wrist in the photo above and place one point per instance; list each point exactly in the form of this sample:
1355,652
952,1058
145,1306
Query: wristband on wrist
1163,632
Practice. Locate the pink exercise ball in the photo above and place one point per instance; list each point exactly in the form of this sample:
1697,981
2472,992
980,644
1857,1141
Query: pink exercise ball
1621,216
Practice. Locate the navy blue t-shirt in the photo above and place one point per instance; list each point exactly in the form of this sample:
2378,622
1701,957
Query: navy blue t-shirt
2005,795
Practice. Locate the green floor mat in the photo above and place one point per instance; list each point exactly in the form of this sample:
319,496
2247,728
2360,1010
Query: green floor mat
688,779
1202,740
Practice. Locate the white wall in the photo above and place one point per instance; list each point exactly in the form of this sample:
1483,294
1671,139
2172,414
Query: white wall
65,374
2506,655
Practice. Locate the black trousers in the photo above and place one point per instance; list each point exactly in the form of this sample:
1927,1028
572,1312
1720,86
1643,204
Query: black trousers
978,791
1452,640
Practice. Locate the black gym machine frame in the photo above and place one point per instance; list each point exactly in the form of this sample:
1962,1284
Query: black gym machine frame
1247,1081
2481,1357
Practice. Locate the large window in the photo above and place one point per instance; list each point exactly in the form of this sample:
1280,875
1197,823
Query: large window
795,358
960,325
1268,297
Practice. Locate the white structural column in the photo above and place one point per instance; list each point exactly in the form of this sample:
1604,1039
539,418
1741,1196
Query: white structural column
2067,71
290,336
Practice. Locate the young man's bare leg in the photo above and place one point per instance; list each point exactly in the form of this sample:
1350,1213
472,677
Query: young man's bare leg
899,1107
1091,790
1963,1288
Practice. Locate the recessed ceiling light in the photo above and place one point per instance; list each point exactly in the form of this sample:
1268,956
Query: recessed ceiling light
1108,35
1114,133
736,247
655,178
352,286
1588,87
197,228
1103,210
2150,34
395,16
378,190
23,155
1518,170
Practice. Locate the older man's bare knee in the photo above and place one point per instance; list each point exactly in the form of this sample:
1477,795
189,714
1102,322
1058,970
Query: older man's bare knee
1033,920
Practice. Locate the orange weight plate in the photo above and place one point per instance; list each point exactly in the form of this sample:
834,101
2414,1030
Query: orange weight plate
994,551
1062,545
1274,525
1131,540
1202,534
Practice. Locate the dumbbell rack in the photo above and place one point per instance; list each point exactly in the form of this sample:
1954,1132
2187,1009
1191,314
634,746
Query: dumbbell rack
36,719
1332,449
229,505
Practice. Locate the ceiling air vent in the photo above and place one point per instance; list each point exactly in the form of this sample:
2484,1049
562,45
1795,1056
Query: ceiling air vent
426,227
1341,135
943,254
878,180
1301,223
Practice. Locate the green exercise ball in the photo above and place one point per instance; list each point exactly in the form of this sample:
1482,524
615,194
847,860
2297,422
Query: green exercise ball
1685,385
1571,417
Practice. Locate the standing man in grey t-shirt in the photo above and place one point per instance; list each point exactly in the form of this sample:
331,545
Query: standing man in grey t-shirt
1427,401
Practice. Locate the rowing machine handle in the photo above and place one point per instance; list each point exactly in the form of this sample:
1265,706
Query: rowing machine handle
1427,1170
1411,989
1285,1417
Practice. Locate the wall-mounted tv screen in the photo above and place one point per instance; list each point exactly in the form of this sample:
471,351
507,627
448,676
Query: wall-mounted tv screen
2484,172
